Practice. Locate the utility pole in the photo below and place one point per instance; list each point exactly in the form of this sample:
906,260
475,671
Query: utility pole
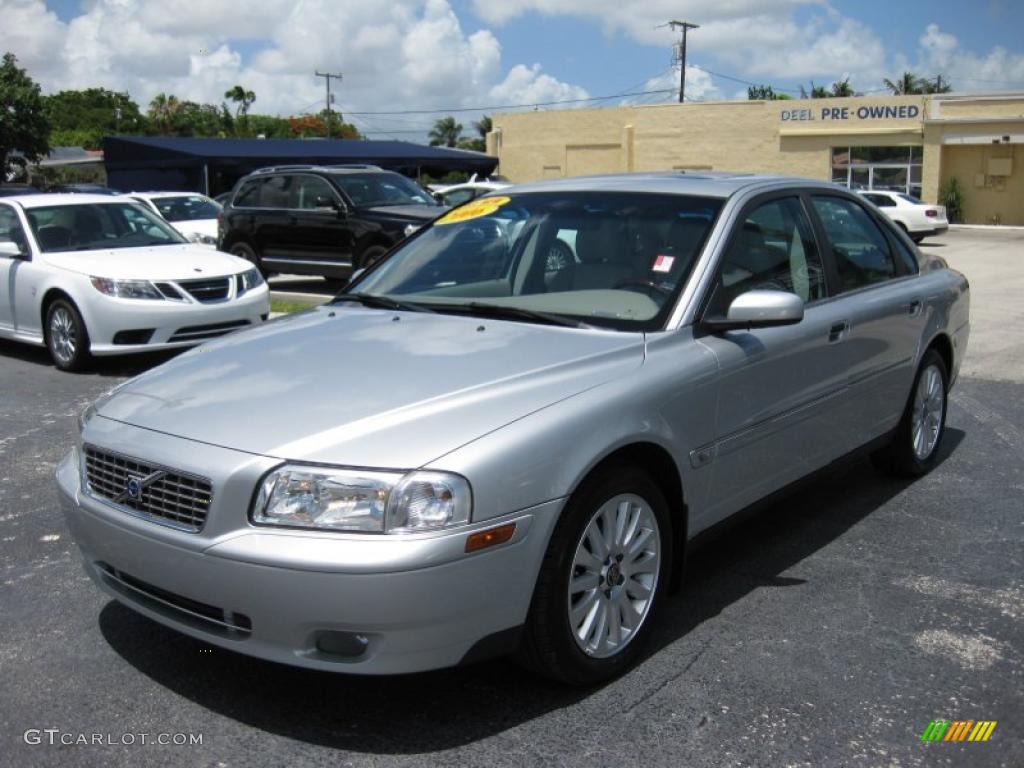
680,54
327,76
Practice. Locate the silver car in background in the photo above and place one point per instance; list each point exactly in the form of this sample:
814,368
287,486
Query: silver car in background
477,450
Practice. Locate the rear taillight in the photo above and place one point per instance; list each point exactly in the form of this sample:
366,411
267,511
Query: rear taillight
931,213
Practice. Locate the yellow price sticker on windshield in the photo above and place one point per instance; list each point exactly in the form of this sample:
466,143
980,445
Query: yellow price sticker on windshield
483,206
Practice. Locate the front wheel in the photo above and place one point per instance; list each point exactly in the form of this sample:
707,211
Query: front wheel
914,448
371,256
66,336
601,581
245,251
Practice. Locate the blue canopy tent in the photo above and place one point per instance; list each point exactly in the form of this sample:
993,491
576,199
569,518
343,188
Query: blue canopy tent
212,166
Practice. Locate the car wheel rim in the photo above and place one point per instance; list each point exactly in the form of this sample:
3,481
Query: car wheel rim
62,334
614,576
929,405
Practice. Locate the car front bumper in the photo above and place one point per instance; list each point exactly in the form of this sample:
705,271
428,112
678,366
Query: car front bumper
376,605
173,324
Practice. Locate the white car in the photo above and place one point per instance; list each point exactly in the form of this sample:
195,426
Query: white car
457,194
194,215
95,275
916,218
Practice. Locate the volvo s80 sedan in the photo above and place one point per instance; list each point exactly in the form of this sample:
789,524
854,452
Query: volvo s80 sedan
89,275
476,450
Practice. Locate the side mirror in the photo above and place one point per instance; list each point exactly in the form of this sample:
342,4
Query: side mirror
12,250
439,198
760,309
353,277
324,202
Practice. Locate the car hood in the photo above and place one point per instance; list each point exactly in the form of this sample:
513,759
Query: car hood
411,212
161,262
362,387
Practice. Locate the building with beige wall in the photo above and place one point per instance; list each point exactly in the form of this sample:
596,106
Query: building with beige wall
910,143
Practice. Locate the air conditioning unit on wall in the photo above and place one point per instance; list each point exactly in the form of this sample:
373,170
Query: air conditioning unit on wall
999,166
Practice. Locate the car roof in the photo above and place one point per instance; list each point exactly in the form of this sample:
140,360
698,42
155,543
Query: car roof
703,183
168,193
64,198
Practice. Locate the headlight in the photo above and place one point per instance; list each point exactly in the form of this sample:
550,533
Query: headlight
357,500
248,280
126,289
410,228
199,237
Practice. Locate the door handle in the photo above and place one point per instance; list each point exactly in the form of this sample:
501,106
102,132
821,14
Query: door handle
914,308
838,330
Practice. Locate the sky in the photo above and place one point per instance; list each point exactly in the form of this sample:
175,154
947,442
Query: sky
407,62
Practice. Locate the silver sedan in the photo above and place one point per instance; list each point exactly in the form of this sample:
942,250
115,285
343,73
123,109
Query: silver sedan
477,450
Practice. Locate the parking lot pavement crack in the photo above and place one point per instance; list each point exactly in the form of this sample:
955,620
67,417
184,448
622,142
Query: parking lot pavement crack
668,681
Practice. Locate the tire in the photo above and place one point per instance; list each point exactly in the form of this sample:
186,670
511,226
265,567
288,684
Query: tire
371,256
66,336
917,238
559,257
245,251
910,454
566,637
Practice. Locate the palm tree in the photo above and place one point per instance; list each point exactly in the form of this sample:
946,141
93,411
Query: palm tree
163,111
445,132
243,99
907,84
842,88
817,92
483,126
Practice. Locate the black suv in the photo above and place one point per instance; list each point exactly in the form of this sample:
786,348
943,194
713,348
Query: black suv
321,220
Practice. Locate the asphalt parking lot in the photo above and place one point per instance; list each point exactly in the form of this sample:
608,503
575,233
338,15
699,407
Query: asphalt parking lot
827,631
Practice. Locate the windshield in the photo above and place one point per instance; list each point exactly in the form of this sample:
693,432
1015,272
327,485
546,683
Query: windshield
186,207
613,259
371,189
98,226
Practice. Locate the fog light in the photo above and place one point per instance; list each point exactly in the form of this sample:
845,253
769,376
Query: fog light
347,644
490,538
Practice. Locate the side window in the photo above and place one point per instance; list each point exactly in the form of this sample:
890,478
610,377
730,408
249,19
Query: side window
249,195
906,255
882,201
278,192
11,230
459,196
773,249
309,188
860,248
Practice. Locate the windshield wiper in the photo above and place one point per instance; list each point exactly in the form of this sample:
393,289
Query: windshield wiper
518,313
380,302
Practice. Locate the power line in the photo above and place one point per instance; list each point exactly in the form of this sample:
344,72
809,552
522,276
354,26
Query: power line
453,110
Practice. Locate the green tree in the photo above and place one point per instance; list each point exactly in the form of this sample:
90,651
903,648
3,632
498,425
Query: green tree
203,120
816,92
244,99
938,85
765,93
446,132
339,128
86,116
23,123
163,113
842,88
269,126
483,126
907,83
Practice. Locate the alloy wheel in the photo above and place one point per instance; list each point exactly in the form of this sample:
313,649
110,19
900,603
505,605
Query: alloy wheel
63,336
929,405
614,575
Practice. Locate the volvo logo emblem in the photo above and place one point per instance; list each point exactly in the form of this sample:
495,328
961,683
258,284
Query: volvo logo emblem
133,487
135,484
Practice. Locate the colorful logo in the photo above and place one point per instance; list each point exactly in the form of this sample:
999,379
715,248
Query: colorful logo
958,730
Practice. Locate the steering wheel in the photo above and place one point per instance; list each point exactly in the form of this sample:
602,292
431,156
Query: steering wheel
637,282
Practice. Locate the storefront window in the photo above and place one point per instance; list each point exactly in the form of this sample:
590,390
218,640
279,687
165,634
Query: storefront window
897,169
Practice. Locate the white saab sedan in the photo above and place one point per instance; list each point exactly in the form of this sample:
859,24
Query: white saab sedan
917,219
93,275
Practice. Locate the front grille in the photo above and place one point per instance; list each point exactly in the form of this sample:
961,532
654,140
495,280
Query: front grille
236,626
168,496
215,289
200,332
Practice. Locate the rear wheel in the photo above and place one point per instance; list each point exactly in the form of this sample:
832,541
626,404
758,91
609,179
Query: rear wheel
602,579
66,336
245,251
371,256
915,446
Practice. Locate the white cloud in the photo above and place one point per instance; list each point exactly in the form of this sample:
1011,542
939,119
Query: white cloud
405,54
940,53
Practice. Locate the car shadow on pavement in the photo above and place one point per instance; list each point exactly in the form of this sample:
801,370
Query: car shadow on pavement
446,709
121,366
